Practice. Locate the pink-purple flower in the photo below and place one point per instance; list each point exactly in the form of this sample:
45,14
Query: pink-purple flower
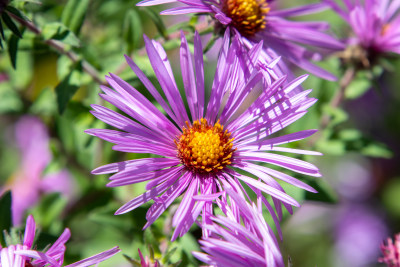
375,24
241,237
297,42
200,152
24,254
29,182
391,252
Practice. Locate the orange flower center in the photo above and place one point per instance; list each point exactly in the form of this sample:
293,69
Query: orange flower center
248,16
204,148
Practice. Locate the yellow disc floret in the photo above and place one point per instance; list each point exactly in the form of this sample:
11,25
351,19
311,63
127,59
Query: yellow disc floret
248,16
204,148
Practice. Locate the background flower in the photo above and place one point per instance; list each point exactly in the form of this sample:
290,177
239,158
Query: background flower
256,20
21,255
29,182
375,25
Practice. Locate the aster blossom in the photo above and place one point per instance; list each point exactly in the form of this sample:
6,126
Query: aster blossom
199,155
391,252
241,237
22,255
29,182
256,20
375,25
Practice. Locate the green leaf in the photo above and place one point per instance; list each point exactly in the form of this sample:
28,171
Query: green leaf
49,209
331,147
350,135
66,89
12,50
132,30
16,12
338,115
325,193
10,24
357,88
2,34
155,17
74,14
58,31
376,150
5,215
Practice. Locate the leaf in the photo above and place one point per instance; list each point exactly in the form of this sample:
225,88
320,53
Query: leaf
350,135
49,209
15,12
58,31
66,89
376,150
132,30
357,88
325,193
74,14
158,22
338,115
331,147
10,24
5,215
12,49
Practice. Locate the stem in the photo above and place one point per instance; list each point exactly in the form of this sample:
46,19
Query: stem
335,102
86,66
89,69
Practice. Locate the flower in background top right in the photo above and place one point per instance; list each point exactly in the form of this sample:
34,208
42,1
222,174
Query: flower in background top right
376,28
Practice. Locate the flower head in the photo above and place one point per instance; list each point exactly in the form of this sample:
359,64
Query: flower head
261,20
29,182
241,238
376,27
202,151
391,252
22,255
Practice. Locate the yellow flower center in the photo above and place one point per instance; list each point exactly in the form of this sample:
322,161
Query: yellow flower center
204,148
385,29
248,16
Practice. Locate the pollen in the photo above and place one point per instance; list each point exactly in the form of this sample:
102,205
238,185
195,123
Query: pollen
248,16
205,148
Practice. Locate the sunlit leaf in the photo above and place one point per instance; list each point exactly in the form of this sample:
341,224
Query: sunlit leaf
5,215
10,24
66,89
74,14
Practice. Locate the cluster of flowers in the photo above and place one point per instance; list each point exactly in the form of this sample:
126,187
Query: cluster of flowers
208,153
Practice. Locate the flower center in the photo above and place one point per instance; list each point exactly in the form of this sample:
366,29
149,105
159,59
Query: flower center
248,16
385,29
204,148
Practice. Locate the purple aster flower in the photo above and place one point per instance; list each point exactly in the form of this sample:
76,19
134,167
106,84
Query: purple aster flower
22,255
391,252
29,182
201,152
375,24
257,20
358,230
241,238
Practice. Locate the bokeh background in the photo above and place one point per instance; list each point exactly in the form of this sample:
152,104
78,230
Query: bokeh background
46,158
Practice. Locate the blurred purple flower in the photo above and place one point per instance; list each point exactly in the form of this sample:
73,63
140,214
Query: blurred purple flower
375,23
358,231
22,255
197,154
28,182
260,20
391,252
241,238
